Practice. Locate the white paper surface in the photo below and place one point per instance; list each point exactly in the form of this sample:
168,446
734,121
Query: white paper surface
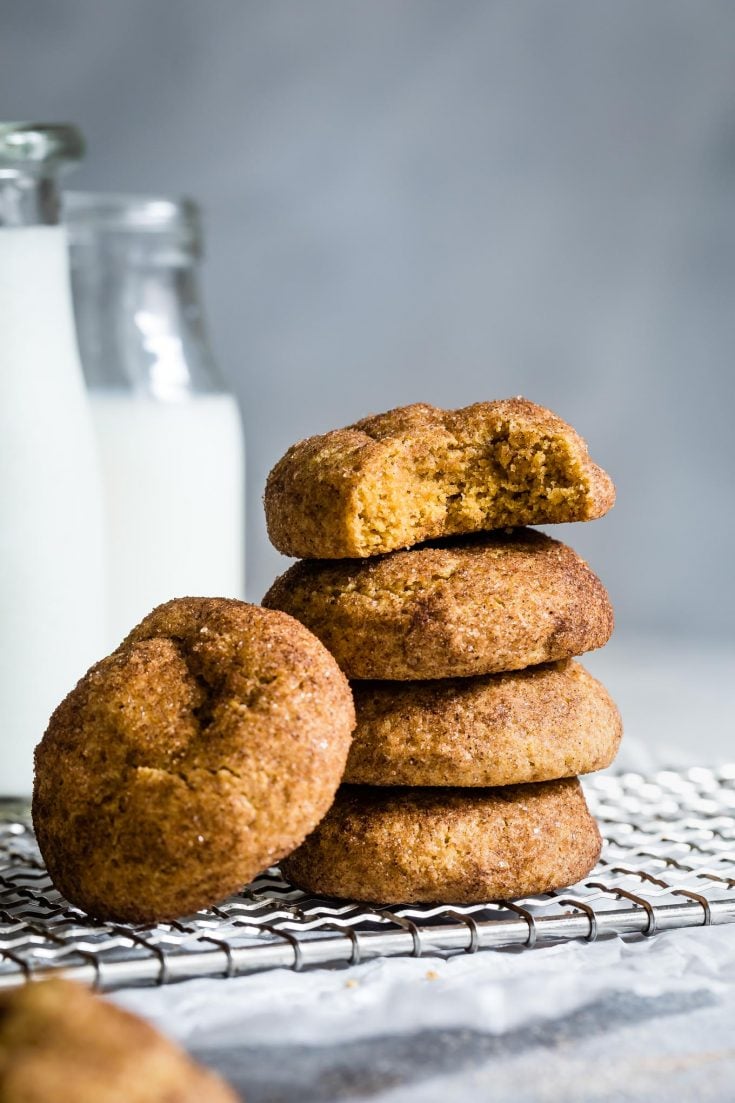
492,991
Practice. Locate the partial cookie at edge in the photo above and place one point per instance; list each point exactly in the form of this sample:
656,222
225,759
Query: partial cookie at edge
61,1043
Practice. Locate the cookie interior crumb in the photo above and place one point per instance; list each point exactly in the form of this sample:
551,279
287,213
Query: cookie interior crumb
514,476
419,472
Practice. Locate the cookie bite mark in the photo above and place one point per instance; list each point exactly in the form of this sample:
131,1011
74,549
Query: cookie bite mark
418,473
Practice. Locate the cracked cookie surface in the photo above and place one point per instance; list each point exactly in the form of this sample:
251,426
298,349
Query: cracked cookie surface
417,473
60,1042
477,605
200,752
458,846
538,724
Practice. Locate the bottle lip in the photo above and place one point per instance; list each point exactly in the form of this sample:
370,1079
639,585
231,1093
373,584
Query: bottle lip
25,145
117,212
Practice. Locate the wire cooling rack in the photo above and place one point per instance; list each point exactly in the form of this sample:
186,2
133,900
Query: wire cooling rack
668,861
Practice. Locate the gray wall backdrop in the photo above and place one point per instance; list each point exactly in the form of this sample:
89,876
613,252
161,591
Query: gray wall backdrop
446,201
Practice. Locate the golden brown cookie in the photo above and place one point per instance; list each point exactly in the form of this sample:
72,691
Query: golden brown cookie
475,606
197,754
59,1042
418,473
458,846
501,729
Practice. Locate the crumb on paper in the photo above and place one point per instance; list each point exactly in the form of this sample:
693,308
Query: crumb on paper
431,974
351,984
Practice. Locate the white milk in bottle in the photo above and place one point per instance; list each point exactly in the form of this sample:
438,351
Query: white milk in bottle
51,552
169,433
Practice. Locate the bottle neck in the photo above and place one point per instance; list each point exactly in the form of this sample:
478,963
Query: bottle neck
139,319
28,198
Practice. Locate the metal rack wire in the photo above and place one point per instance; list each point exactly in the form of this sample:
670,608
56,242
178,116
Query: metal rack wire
668,861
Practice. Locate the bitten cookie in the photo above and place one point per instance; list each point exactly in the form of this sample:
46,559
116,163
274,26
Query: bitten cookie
480,605
460,846
502,729
418,473
59,1042
197,754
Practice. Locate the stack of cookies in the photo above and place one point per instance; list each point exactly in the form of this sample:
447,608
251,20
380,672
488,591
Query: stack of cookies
457,627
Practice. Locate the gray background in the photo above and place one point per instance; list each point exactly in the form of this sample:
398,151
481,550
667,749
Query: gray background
446,201
452,201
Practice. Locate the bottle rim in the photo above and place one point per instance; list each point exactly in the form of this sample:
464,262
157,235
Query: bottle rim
118,212
26,145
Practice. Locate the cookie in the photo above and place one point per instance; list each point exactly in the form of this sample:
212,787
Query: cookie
418,473
59,1042
501,729
196,755
484,604
459,846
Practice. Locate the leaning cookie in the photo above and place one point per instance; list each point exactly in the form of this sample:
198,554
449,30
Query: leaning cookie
501,729
197,754
480,605
59,1042
459,846
418,473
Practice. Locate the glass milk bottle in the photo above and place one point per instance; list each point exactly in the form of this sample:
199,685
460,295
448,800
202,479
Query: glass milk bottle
51,552
169,432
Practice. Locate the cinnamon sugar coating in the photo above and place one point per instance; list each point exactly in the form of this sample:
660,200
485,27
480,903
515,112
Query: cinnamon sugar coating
418,473
481,605
196,755
460,846
501,729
